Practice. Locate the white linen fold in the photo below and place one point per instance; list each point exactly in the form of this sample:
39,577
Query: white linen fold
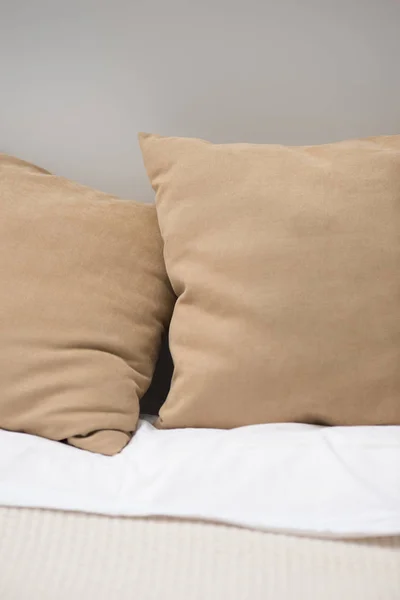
337,482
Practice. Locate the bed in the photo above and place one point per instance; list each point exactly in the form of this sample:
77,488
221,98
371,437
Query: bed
258,245
178,514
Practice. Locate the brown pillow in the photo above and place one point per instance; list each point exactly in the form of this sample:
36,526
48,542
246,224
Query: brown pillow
286,265
84,300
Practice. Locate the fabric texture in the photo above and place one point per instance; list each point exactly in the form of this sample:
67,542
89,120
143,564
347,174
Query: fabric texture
46,555
285,262
84,300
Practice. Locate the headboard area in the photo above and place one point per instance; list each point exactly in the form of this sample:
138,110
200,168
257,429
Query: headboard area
79,79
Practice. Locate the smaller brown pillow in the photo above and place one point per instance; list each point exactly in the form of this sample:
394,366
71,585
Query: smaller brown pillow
84,301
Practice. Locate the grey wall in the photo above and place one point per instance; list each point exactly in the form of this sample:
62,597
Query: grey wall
79,78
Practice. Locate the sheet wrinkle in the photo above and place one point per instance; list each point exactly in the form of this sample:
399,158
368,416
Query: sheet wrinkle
377,491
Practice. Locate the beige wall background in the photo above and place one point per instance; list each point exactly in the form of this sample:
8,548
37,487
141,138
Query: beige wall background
80,78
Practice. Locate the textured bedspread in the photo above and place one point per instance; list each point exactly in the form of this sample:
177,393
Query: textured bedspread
54,555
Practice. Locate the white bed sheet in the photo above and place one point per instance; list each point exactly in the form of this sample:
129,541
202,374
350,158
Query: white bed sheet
303,479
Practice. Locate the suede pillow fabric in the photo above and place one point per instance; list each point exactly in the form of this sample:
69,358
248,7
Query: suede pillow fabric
84,301
286,265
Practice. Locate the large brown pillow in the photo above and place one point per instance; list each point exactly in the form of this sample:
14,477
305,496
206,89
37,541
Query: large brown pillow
84,300
286,264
